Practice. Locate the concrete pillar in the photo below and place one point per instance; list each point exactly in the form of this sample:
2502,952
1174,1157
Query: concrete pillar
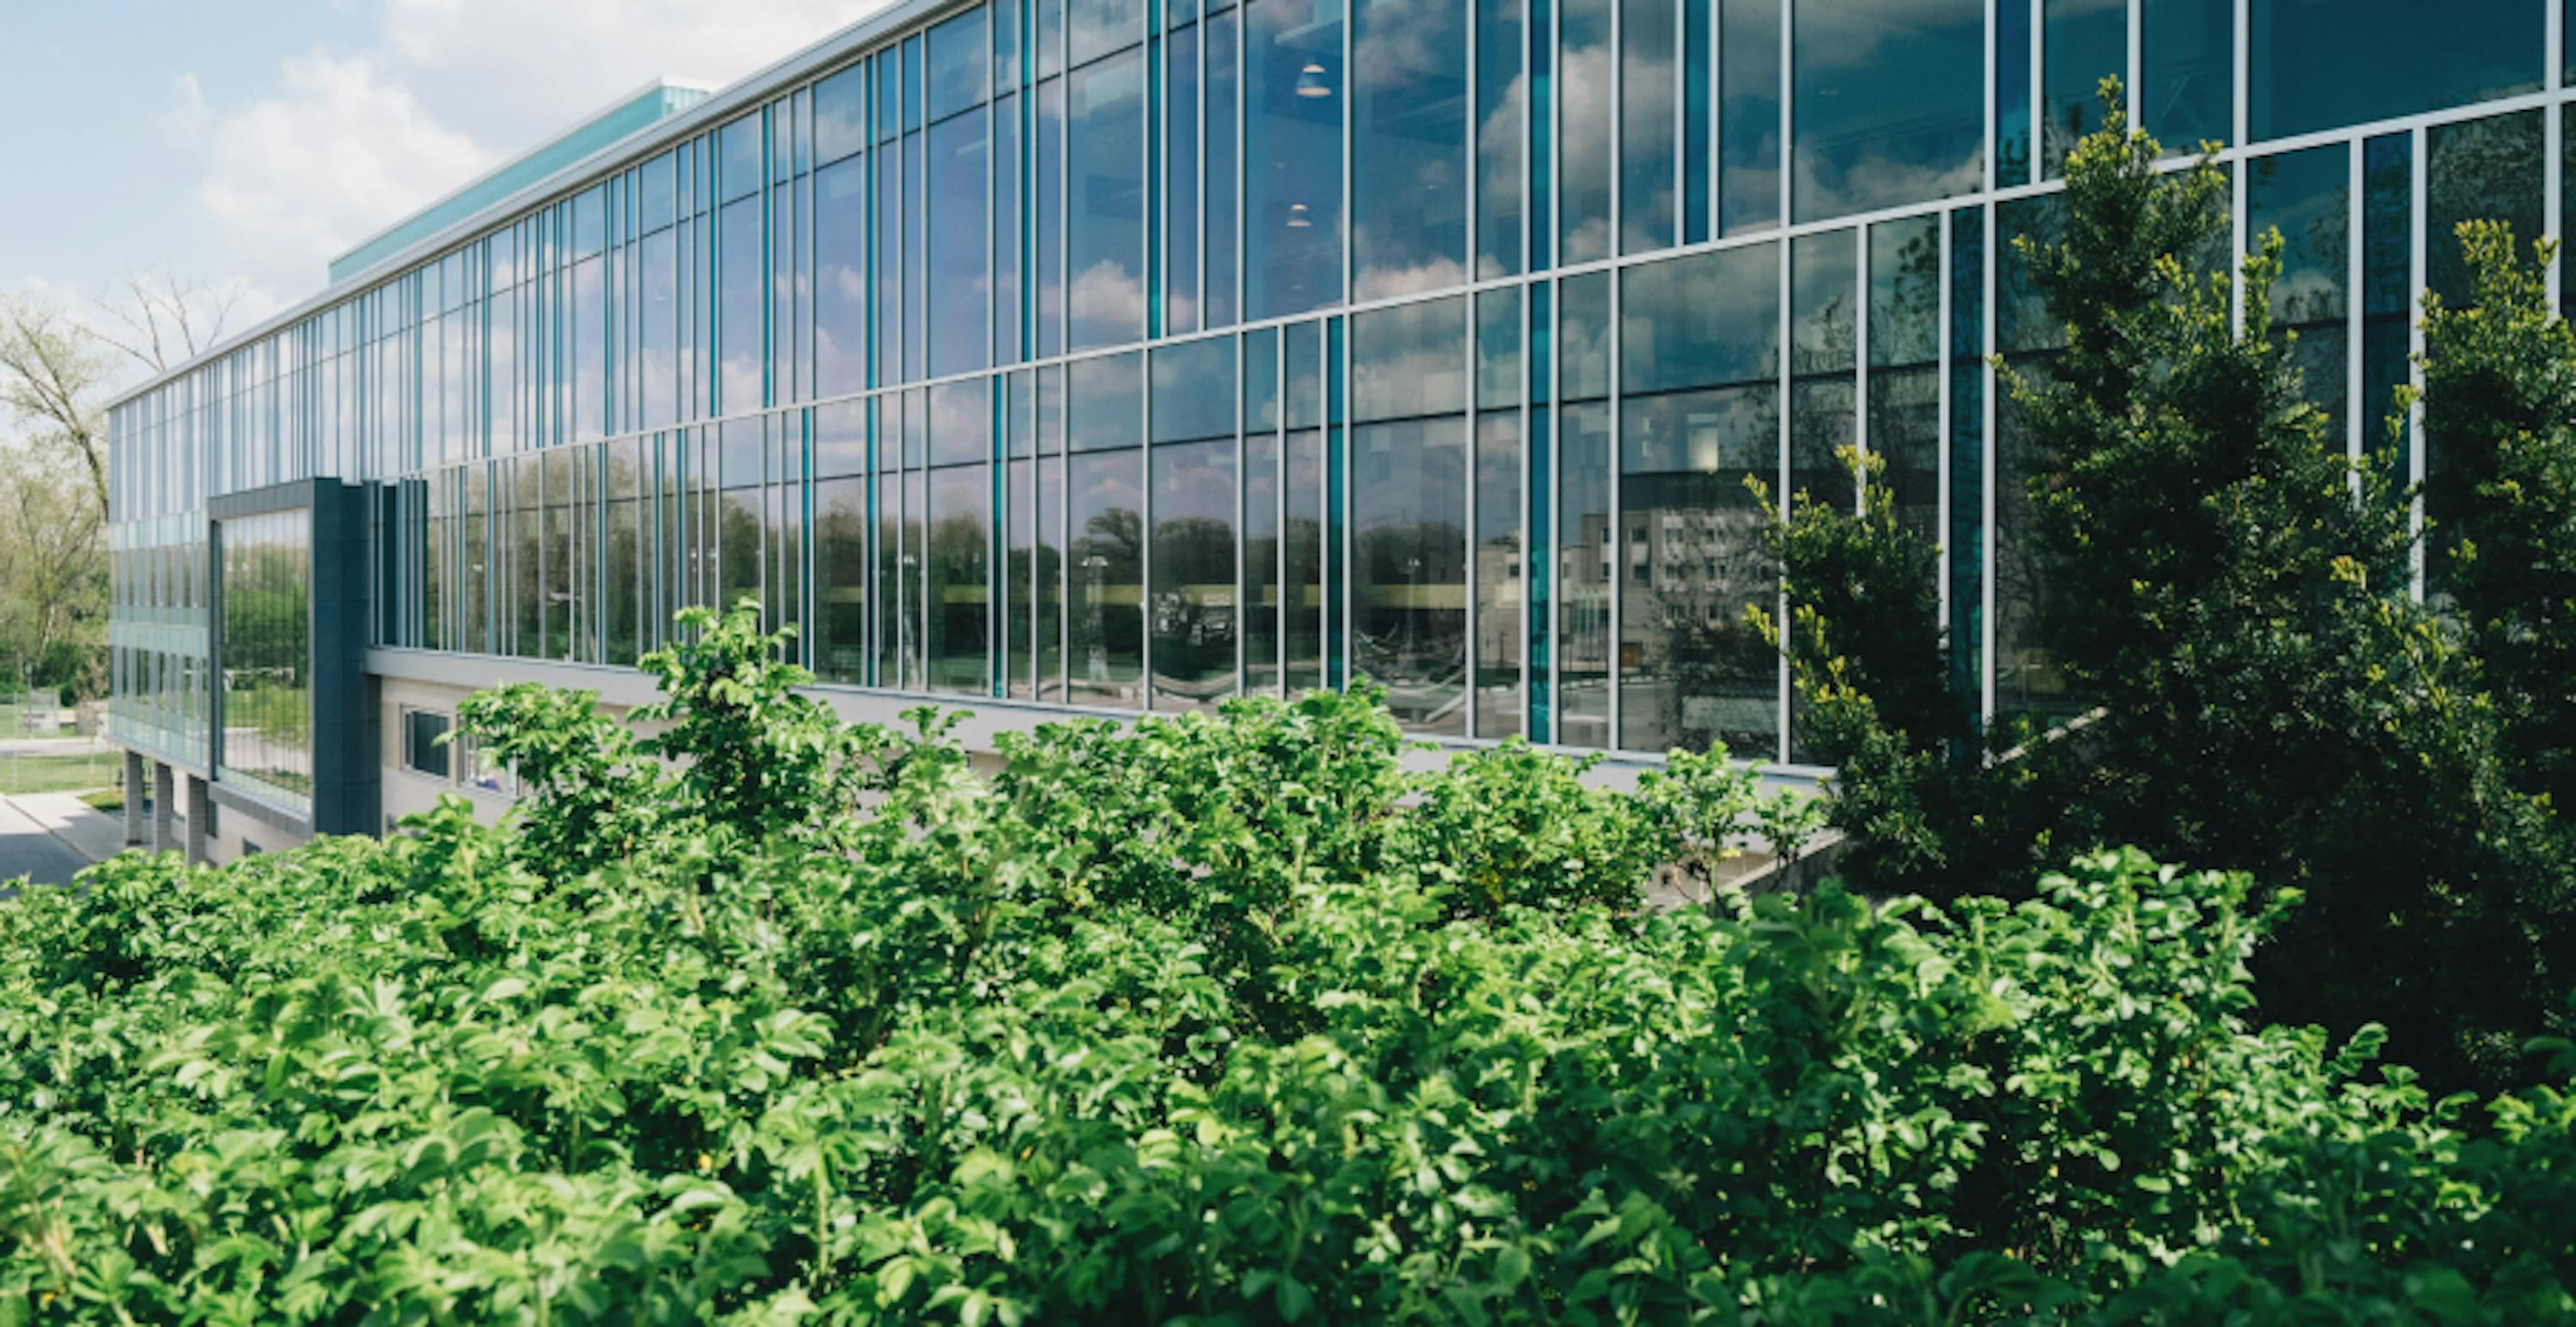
165,799
200,815
134,798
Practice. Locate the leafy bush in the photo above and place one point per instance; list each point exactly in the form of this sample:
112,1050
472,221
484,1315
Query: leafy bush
1210,1020
2228,592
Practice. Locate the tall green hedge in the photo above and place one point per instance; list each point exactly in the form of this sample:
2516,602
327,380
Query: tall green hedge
1215,1021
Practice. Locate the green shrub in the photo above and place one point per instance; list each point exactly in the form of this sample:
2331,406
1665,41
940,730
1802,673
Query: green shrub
1210,1020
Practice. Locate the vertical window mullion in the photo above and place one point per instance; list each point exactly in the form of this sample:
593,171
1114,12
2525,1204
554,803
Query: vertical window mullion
2415,279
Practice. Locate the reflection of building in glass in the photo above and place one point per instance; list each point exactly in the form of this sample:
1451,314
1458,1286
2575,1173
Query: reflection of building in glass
1113,357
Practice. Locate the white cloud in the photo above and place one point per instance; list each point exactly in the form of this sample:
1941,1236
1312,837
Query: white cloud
295,178
347,143
566,57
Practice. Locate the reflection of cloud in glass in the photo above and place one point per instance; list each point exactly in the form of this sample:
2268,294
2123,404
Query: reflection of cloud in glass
1429,274
1498,173
1889,103
1410,360
1106,296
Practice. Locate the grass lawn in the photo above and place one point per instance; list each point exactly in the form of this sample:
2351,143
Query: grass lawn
58,774
110,800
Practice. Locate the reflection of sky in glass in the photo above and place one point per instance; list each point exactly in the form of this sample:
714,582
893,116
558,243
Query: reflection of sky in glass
2085,42
1105,303
2316,66
1891,103
1293,144
2187,72
1408,153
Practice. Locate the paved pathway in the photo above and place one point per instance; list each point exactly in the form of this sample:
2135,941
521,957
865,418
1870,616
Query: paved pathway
28,849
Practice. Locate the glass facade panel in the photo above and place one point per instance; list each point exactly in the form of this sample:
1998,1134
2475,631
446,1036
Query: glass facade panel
2322,66
2307,197
1699,382
2082,43
1105,203
2187,72
1748,115
760,357
1292,188
1409,498
1890,104
1408,147
1582,498
1903,426
264,652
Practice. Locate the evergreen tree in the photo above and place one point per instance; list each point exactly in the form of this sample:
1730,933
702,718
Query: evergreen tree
2233,592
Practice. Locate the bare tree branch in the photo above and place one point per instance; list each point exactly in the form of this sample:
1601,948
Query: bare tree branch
164,321
51,372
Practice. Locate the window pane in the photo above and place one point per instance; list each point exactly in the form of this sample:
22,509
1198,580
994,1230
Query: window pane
1500,93
960,537
1019,565
423,752
1823,296
265,709
1194,390
1222,88
1262,497
1009,236
1891,104
1582,502
1748,115
1499,549
1699,367
958,65
1194,551
840,114
1649,160
2186,72
738,157
1409,147
1106,410
1583,121
2319,66
1905,366
2387,275
2479,170
739,328
2307,197
2086,41
1106,595
660,330
586,344
1181,182
840,579
1051,573
1409,509
961,314
1106,300
1965,542
841,279
1102,26
1293,138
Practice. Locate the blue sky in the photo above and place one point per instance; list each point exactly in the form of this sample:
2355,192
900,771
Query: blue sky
240,146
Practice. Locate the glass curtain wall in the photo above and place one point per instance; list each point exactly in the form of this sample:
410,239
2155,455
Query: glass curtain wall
1129,356
265,653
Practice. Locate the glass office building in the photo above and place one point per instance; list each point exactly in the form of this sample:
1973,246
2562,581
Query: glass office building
1111,356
